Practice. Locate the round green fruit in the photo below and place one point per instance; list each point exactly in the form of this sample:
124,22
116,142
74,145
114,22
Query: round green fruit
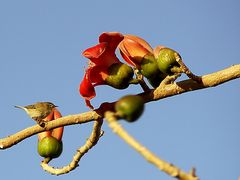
130,107
166,60
119,75
149,67
50,147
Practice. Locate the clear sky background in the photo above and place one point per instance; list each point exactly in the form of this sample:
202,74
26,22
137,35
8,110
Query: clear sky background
40,54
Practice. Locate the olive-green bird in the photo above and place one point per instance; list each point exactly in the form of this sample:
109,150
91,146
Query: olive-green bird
38,111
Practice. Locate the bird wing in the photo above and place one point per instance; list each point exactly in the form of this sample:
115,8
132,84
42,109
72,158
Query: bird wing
34,113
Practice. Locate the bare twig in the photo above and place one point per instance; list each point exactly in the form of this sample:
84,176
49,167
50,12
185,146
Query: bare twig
93,139
186,70
164,166
142,83
169,79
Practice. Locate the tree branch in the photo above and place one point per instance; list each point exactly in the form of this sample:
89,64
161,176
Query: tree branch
166,89
11,140
210,80
164,166
91,141
161,92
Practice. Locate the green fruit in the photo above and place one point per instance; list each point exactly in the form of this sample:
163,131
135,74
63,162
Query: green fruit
149,67
50,147
130,107
166,60
119,75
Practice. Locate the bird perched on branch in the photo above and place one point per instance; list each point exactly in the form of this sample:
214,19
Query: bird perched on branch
38,111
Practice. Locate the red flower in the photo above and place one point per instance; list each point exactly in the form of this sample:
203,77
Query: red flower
57,132
138,53
133,49
101,56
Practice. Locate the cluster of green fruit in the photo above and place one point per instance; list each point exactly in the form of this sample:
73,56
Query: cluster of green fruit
154,68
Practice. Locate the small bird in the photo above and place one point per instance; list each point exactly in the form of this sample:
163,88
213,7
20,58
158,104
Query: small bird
38,111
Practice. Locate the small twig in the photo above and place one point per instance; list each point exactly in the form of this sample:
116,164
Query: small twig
91,141
169,79
186,70
164,166
142,83
47,160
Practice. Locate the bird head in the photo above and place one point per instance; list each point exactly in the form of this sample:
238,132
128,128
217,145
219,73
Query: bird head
51,105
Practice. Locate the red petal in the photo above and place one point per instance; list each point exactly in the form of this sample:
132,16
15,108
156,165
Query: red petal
88,104
139,40
98,74
112,38
101,56
46,133
95,51
86,88
133,49
57,132
126,58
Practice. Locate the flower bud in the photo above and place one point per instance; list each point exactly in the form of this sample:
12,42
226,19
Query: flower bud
133,49
119,75
166,59
50,147
130,107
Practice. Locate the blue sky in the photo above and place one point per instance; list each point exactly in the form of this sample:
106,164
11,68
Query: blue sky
40,53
